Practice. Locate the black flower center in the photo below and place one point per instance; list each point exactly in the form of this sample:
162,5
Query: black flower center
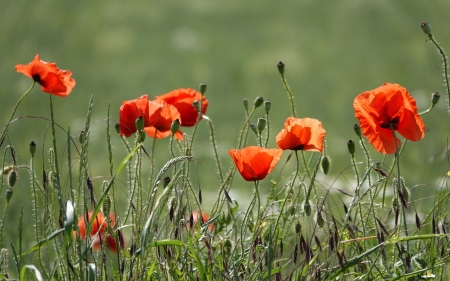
299,147
37,78
387,124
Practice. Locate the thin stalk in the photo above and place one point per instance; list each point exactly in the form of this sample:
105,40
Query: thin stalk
290,95
445,66
14,111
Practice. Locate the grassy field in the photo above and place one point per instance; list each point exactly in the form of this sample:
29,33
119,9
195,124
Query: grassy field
118,51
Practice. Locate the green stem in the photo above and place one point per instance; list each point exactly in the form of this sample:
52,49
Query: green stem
287,194
397,157
14,111
258,200
290,95
445,66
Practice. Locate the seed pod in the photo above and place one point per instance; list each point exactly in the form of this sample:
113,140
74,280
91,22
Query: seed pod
203,88
261,124
175,126
245,102
267,106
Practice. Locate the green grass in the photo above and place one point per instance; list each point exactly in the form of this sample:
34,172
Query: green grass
333,51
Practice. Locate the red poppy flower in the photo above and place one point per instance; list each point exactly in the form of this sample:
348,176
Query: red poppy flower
161,117
130,111
52,79
254,162
301,134
182,99
204,218
388,106
98,230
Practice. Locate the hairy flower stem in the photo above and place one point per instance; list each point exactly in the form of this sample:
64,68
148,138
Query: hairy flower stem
3,223
397,157
290,95
444,66
5,130
287,194
214,145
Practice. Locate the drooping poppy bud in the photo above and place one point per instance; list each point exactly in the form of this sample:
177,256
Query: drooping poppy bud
307,208
435,98
325,164
253,127
319,219
12,177
357,129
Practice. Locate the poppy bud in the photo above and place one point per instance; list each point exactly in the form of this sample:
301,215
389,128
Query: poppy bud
245,103
435,98
32,148
175,126
351,147
141,136
325,164
261,124
9,194
12,177
139,123
319,219
196,105
426,28
117,127
203,88
253,127
267,106
81,137
307,208
357,129
280,66
298,228
258,102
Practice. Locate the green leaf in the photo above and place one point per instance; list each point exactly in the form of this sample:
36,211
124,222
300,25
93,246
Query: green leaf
37,274
43,242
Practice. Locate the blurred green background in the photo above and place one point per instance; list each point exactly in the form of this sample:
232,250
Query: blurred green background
333,51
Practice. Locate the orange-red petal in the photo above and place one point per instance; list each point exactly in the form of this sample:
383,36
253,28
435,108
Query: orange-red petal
254,162
52,79
389,105
183,99
301,134
130,111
